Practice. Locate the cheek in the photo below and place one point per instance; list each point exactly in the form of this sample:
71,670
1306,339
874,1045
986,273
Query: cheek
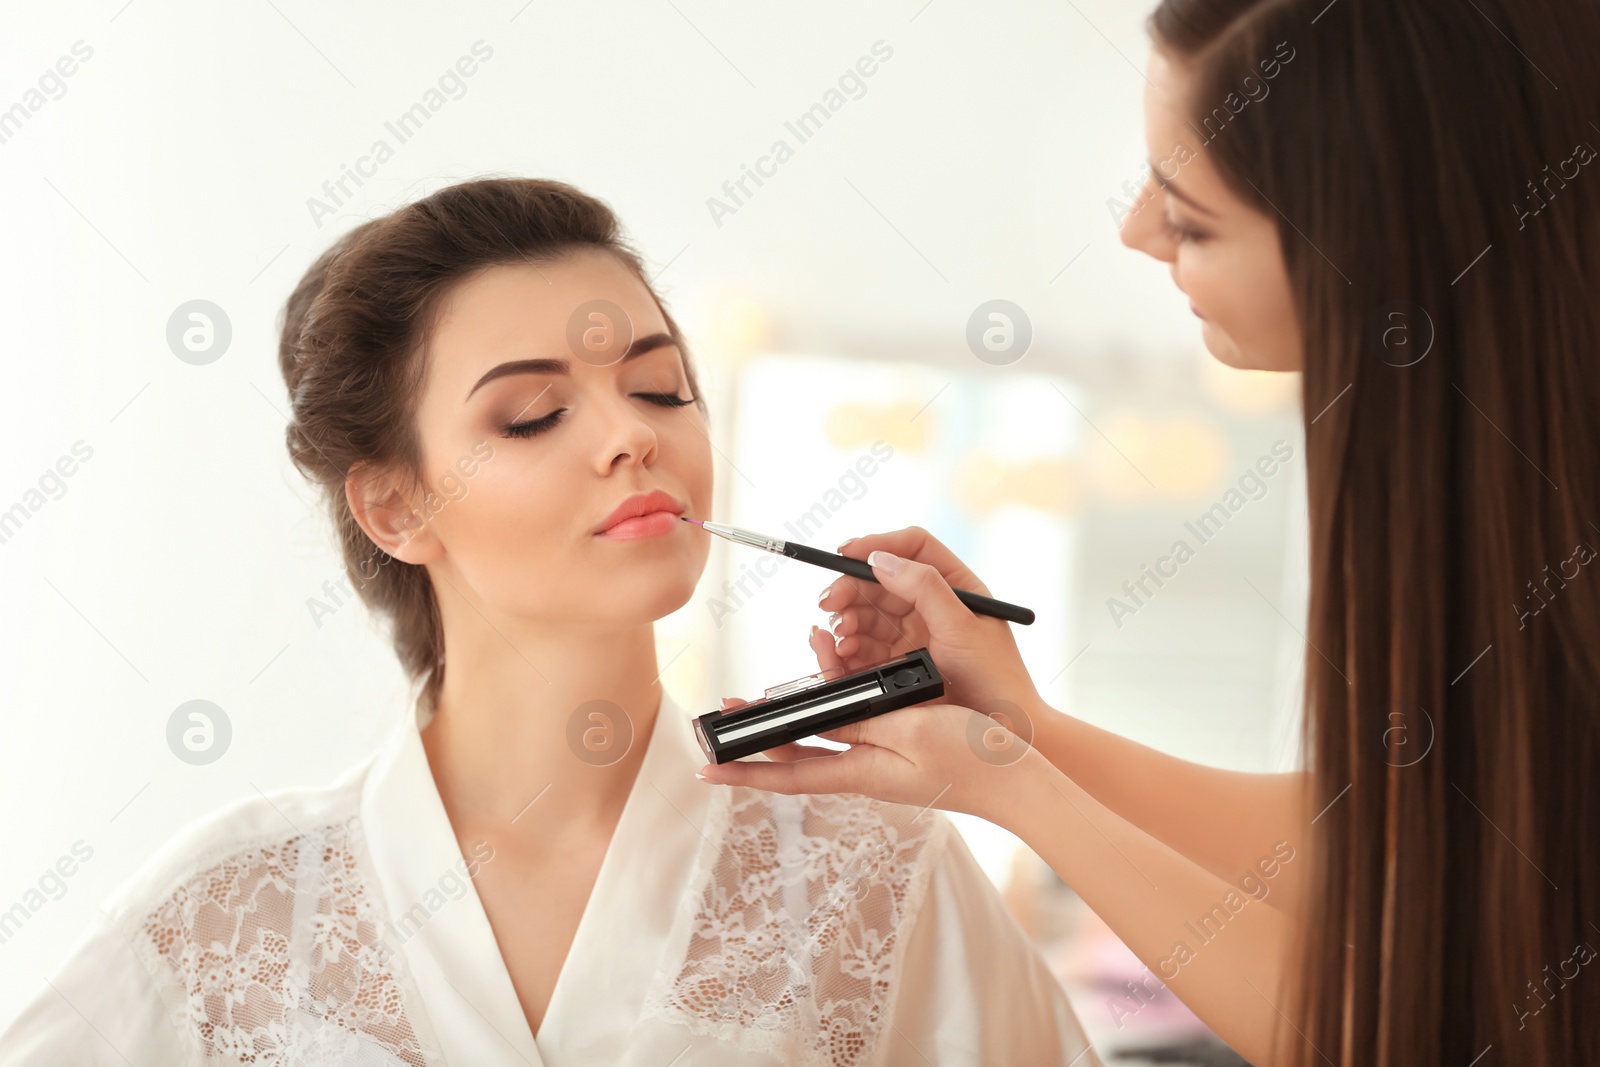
1239,293
686,451
524,495
1263,324
517,537
1212,279
1220,288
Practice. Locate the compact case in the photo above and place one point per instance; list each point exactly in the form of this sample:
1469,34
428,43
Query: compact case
814,704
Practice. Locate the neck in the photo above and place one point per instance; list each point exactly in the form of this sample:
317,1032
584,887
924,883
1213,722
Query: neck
540,734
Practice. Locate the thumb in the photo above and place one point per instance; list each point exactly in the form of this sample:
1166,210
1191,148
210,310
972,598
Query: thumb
925,588
864,732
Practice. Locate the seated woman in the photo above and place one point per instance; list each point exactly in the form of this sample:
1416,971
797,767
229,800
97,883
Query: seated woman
505,424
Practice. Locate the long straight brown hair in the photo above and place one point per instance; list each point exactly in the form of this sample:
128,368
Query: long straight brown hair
1432,168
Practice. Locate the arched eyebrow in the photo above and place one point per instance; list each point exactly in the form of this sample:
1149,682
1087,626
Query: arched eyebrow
1172,188
641,345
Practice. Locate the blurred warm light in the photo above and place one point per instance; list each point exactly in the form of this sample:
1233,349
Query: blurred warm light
1248,392
855,426
740,325
983,483
1181,456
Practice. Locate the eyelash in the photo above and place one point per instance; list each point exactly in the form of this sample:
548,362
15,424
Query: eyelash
548,422
1181,233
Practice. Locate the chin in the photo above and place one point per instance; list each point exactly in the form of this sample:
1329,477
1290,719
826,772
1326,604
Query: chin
1225,351
653,600
646,586
1219,344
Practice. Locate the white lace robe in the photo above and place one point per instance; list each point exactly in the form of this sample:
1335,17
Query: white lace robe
726,926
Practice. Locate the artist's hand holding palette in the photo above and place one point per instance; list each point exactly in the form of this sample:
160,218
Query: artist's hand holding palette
815,704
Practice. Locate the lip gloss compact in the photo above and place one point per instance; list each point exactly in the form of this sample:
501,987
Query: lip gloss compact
815,704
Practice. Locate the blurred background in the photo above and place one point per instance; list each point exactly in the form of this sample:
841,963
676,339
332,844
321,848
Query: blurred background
920,314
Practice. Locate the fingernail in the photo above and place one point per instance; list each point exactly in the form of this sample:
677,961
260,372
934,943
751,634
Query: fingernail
846,541
887,562
700,776
833,620
823,595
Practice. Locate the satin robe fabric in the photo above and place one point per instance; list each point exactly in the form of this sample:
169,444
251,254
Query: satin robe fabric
968,986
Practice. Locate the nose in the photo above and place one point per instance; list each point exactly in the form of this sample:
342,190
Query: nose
626,436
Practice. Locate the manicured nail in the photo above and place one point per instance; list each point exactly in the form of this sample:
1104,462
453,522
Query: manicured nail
887,562
700,776
823,595
846,541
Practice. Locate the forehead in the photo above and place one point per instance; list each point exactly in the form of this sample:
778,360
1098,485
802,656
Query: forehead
1166,104
525,310
1170,135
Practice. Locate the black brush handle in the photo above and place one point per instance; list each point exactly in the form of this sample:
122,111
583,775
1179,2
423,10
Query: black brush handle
977,602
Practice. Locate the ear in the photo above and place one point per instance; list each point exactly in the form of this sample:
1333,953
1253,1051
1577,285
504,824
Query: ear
381,503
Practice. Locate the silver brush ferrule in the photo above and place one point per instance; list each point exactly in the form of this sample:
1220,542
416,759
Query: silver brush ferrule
745,537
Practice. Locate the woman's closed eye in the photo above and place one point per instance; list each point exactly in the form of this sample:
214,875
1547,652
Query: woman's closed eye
535,427
1181,233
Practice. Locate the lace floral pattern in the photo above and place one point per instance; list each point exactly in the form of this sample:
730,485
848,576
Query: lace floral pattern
279,955
794,927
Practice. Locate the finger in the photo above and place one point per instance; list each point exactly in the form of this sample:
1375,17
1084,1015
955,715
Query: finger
926,588
849,590
891,733
822,645
794,750
850,652
878,596
865,623
916,543
851,771
880,731
733,702
858,652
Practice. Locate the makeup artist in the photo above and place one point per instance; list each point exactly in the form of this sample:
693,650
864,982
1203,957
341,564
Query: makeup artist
1409,220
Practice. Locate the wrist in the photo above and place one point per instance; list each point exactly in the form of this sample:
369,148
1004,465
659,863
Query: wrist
1017,791
1047,728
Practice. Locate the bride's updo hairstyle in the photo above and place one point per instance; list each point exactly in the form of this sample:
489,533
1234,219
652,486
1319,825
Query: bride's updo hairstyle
353,352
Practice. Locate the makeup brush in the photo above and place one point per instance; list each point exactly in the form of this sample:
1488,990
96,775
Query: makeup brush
980,604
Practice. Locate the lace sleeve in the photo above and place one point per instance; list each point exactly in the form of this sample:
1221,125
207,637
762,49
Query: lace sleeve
790,938
275,955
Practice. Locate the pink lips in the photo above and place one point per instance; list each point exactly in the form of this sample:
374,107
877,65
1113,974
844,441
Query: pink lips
641,515
641,526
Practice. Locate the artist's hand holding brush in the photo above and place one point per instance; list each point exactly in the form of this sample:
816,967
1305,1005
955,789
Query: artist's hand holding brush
913,606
